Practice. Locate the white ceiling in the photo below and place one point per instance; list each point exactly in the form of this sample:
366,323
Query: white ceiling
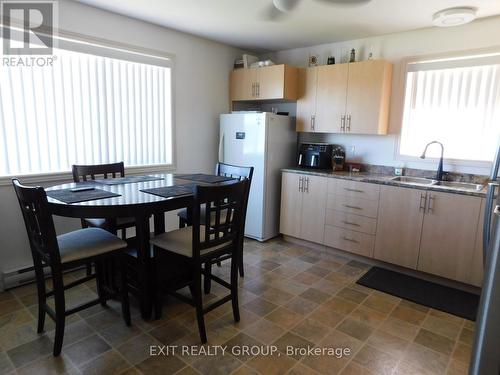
242,23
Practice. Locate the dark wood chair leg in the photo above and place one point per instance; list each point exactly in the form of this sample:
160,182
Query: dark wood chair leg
124,292
182,223
60,310
89,269
199,305
240,262
234,289
101,292
207,283
40,284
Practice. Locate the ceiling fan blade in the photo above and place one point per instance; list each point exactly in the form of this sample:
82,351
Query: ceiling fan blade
345,2
285,6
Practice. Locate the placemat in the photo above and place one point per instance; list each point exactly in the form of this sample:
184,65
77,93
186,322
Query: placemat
127,180
171,191
207,178
68,196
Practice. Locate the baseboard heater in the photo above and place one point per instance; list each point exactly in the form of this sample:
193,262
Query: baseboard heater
22,276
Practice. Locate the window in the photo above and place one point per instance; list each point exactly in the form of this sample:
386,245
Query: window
96,104
454,101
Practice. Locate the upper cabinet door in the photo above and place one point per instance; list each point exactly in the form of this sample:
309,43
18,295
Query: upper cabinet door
243,84
331,96
449,235
271,82
399,225
306,104
368,97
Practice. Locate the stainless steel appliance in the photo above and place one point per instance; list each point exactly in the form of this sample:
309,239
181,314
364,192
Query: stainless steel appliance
486,351
315,155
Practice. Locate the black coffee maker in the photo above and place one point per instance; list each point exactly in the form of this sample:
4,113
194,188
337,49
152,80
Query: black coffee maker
315,155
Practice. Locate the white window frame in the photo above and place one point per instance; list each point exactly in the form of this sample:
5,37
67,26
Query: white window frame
87,44
399,104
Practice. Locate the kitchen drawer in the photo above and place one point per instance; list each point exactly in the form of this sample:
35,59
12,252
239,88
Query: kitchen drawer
356,189
348,240
353,205
349,221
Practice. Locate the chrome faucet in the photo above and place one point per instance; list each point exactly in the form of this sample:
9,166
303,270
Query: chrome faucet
439,174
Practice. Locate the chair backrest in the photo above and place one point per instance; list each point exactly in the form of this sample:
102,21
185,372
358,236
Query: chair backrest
86,172
39,222
240,173
235,171
224,205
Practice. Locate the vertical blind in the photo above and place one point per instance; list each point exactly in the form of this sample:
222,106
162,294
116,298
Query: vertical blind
85,109
456,103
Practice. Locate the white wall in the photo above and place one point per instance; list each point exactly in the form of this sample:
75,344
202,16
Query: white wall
201,94
394,47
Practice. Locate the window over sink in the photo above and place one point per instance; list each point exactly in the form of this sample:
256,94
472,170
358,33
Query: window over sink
455,101
97,103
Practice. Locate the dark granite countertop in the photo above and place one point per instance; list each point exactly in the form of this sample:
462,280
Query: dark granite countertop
383,179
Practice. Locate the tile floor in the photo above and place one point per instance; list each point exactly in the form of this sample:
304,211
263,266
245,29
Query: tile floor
290,296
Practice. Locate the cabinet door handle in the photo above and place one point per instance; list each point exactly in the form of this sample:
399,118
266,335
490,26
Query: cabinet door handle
353,207
257,86
349,223
349,239
313,122
307,185
348,126
430,207
301,184
342,123
354,190
423,201
253,90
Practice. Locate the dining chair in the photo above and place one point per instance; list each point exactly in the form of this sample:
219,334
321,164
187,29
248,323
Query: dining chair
239,173
203,244
66,252
89,172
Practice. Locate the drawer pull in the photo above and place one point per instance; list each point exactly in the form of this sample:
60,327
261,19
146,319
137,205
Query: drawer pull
354,190
349,223
349,239
353,207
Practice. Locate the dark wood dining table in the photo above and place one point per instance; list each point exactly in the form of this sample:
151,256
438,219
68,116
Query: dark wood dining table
131,202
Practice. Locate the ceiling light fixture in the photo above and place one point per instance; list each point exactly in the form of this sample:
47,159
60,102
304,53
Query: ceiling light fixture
454,17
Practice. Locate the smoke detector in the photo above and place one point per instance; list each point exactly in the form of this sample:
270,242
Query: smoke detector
454,17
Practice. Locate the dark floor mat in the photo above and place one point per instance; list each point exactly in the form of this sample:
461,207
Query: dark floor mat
439,297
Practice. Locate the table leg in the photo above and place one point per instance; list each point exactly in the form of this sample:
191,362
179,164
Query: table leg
144,266
159,221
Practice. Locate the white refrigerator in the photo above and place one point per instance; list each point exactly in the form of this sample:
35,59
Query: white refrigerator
267,142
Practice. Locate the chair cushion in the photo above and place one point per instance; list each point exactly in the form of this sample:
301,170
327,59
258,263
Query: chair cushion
102,223
180,242
88,242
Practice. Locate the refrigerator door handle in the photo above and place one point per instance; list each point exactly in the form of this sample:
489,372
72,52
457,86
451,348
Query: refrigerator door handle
490,198
221,148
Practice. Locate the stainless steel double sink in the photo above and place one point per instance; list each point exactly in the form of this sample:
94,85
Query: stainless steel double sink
430,182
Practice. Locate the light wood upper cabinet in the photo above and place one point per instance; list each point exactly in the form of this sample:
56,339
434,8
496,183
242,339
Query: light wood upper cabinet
368,97
306,105
331,97
270,82
400,218
345,98
303,209
449,234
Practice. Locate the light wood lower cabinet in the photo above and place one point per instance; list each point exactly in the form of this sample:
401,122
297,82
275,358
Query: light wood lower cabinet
435,232
399,226
449,235
303,206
